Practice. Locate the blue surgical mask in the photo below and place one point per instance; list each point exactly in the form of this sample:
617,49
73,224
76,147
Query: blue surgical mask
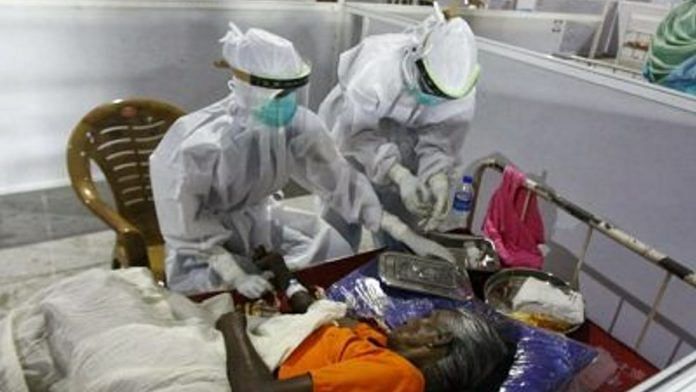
278,112
426,99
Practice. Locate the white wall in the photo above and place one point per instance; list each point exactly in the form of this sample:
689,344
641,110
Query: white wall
621,156
624,157
58,62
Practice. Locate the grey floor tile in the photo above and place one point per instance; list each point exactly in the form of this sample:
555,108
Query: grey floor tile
22,219
39,216
67,216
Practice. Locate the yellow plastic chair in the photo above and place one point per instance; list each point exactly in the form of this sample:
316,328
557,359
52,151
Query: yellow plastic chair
119,137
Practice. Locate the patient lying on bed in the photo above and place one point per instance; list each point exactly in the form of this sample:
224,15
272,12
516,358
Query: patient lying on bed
447,351
118,331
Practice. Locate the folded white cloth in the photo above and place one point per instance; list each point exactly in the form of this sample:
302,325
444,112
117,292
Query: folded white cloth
275,338
537,296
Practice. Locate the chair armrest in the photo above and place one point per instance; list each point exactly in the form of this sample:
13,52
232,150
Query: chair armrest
128,234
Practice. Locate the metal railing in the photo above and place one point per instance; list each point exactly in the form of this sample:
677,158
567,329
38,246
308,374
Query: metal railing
597,224
611,68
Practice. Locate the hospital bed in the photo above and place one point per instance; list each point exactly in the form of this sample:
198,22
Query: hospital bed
633,369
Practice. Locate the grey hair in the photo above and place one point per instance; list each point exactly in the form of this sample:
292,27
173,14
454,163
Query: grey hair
474,353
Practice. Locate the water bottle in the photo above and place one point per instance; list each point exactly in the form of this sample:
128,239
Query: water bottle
463,199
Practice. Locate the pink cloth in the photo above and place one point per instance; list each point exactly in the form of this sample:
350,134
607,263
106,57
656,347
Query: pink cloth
516,241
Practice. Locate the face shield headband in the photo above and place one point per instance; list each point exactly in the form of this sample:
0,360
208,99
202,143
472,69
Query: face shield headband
286,85
273,83
429,85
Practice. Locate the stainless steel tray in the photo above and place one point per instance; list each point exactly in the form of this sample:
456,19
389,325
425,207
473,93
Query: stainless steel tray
471,252
424,275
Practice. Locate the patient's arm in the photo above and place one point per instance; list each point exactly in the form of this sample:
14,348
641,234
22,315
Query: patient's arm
283,278
246,370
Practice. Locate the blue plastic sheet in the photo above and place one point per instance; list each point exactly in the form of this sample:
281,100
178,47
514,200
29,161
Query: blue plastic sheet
544,361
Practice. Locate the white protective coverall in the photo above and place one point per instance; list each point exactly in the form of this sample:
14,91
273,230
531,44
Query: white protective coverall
216,169
408,143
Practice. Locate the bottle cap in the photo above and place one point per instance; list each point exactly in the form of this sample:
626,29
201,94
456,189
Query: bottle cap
468,180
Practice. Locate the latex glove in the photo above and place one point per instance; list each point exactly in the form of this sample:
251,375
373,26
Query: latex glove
253,286
418,244
440,190
414,195
250,286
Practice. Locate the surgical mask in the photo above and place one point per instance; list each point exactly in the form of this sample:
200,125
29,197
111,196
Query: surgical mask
413,88
426,99
278,112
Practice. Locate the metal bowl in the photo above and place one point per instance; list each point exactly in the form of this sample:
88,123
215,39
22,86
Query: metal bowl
502,287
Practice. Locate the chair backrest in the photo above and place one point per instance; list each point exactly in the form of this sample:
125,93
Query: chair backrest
119,137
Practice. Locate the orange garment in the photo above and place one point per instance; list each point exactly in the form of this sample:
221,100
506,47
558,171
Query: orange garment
351,360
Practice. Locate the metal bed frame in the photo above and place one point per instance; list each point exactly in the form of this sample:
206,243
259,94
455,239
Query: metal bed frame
596,224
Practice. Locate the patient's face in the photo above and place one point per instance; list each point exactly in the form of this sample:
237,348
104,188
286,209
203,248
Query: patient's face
423,340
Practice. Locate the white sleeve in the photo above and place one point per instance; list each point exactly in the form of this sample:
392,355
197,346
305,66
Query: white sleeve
319,167
182,172
361,140
441,141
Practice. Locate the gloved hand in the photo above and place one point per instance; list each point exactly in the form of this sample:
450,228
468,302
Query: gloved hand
439,189
274,262
250,286
414,195
418,244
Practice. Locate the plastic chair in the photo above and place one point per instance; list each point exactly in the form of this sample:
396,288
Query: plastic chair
119,137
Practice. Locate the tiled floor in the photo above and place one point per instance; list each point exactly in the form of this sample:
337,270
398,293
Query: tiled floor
45,215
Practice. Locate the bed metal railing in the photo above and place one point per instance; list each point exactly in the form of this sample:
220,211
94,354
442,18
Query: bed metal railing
596,224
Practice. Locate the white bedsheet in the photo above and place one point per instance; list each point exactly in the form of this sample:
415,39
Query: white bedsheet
118,331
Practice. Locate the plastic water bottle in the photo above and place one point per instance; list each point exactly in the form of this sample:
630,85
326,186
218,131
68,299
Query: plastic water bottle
463,200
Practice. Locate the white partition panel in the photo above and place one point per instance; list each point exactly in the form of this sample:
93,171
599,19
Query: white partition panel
544,32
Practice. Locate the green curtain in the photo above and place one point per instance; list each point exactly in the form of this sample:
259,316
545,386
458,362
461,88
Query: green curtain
674,43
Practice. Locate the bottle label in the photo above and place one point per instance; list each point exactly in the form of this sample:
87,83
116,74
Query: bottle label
462,202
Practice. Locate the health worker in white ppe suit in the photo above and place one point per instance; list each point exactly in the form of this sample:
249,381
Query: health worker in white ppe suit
216,170
400,113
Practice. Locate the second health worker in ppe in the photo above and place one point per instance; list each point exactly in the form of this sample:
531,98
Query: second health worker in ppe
216,169
400,113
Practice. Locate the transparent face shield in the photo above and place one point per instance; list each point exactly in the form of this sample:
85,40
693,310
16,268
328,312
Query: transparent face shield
428,82
423,83
272,102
